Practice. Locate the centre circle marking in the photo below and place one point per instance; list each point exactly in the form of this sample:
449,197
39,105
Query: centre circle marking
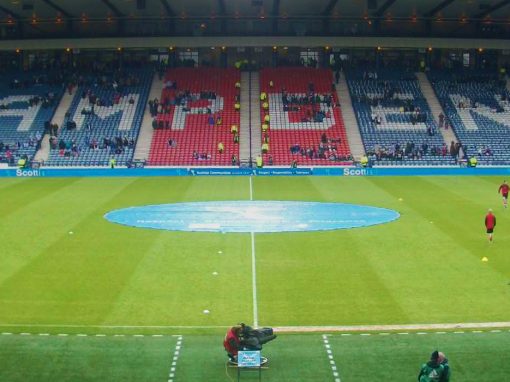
252,216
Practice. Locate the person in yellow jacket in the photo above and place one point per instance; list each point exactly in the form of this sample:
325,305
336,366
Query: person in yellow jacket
233,129
221,148
22,162
364,161
238,85
265,148
263,96
259,162
237,106
113,162
265,127
267,118
473,162
265,106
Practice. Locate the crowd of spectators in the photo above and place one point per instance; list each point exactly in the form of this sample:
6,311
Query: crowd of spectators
326,149
72,148
181,98
412,151
177,97
10,151
310,104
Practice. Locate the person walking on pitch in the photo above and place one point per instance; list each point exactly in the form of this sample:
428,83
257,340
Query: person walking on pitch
490,224
503,190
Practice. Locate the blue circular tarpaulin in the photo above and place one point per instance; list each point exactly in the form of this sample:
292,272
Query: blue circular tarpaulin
252,216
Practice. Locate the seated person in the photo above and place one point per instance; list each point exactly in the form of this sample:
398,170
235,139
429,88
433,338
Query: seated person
244,337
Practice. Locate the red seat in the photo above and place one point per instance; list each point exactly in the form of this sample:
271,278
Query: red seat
297,81
197,134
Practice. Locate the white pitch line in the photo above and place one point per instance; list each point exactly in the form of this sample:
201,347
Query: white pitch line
254,270
175,357
355,329
178,346
116,326
385,328
334,368
254,282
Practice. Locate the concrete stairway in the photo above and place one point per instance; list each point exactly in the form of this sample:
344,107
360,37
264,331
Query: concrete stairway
143,144
256,136
350,121
435,107
244,128
43,153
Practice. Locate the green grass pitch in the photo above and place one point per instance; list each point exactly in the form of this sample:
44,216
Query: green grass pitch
109,279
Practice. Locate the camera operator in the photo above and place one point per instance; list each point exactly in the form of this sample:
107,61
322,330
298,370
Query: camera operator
244,337
232,342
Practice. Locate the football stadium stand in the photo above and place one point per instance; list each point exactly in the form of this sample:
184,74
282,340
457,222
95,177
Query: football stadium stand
305,119
27,102
196,114
396,124
103,122
477,107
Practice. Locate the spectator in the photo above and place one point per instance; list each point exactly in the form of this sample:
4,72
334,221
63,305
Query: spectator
433,370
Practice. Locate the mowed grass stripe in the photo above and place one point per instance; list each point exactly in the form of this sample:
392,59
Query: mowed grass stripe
174,283
473,357
73,358
10,182
434,247
23,194
104,252
64,280
375,275
336,269
398,358
482,194
402,254
185,263
30,230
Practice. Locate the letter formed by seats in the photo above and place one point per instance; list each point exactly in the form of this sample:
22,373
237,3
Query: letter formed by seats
185,109
284,119
27,115
127,108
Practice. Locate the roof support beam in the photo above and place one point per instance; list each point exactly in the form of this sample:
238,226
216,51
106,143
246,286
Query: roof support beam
329,8
19,21
170,13
63,12
276,15
9,12
118,14
15,17
384,7
59,9
113,8
168,9
438,8
222,13
326,13
495,7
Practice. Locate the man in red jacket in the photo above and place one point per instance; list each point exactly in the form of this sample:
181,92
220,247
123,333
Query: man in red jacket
503,190
232,342
490,224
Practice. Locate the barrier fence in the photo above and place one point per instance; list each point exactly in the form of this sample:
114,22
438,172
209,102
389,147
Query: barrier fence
272,171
